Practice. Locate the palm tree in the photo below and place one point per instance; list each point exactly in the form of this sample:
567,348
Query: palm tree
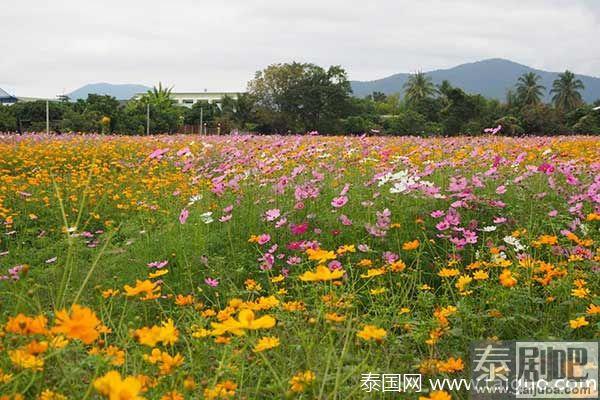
529,92
566,91
160,95
418,87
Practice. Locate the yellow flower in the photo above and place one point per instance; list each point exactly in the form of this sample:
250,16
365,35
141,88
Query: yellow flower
266,343
112,386
411,245
581,292
109,293
294,306
158,273
397,266
372,272
578,323
4,377
173,395
50,395
437,395
277,279
448,272
80,323
480,275
593,309
333,317
166,334
322,273
182,300
246,321
24,325
451,365
23,359
346,249
378,291
147,287
372,332
252,285
221,391
165,361
319,255
462,282
301,380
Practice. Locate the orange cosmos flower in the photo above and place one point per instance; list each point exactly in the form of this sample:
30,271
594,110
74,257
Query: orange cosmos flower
79,323
322,273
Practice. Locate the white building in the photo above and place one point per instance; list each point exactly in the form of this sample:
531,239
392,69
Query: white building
188,99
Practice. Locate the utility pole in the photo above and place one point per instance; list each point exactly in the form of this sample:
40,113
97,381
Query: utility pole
201,120
47,117
147,119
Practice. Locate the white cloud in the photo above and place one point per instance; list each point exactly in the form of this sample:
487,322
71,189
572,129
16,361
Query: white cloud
49,47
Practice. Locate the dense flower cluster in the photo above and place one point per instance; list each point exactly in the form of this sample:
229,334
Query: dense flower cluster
176,267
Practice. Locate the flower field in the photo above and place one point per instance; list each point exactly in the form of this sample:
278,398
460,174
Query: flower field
269,267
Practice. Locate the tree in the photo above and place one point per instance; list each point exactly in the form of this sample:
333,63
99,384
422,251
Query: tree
566,91
418,87
300,97
159,96
8,121
541,120
529,91
378,97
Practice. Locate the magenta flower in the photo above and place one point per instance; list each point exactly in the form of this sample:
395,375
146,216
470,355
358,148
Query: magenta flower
299,229
183,216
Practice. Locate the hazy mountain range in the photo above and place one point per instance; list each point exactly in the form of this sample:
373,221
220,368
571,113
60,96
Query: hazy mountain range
492,78
119,91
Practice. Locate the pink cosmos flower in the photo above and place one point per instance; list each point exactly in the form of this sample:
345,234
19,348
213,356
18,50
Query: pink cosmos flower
335,264
339,201
345,220
553,213
158,154
225,218
437,214
501,189
183,216
264,238
273,214
211,282
157,264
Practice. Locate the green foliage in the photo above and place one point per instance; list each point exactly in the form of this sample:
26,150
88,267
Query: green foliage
300,97
566,90
529,92
418,87
8,121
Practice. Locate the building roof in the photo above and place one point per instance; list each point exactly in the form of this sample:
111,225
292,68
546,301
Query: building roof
5,95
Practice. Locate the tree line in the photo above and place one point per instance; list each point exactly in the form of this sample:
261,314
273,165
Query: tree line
303,97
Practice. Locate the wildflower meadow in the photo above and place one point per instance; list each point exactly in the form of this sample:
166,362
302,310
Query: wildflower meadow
285,267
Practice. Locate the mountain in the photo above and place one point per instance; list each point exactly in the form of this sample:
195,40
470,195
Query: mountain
119,91
491,78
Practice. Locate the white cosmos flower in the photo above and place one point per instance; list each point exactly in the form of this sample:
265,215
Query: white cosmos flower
207,217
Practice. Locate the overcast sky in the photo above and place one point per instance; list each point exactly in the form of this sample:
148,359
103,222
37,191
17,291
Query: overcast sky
51,47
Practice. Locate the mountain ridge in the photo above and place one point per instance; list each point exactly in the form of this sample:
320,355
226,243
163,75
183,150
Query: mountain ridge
121,91
491,78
